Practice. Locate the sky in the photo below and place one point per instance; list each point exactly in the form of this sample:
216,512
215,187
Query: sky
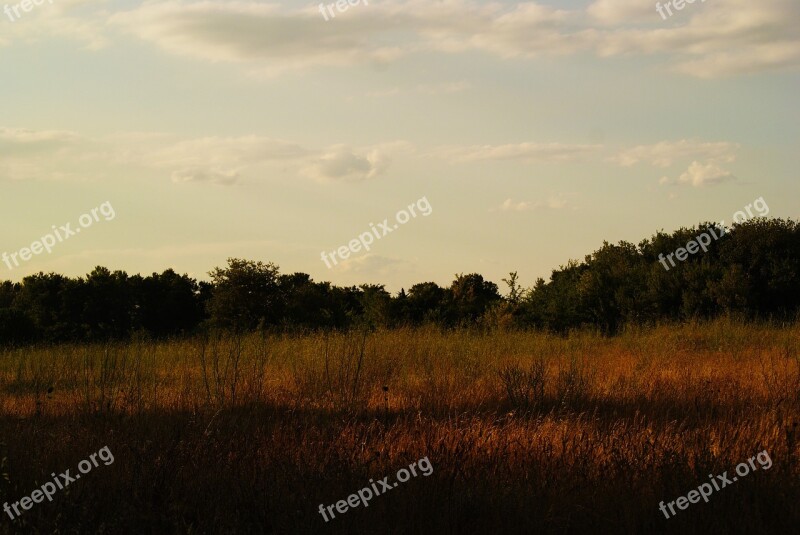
276,131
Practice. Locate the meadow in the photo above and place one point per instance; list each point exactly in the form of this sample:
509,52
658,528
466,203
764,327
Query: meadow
526,431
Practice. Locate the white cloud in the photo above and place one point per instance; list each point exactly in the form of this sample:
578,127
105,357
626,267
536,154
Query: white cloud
699,174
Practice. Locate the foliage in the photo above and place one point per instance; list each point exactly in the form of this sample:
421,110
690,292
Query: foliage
751,272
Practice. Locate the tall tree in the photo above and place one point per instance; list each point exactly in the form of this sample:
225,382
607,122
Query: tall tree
246,294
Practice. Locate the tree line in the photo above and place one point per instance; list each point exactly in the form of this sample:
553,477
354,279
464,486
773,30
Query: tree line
753,271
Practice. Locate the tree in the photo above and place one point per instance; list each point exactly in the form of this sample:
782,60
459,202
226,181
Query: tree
515,291
611,285
426,302
246,294
375,302
556,305
166,304
42,298
471,296
16,326
306,303
108,304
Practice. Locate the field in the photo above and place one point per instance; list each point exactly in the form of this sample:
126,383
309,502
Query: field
526,432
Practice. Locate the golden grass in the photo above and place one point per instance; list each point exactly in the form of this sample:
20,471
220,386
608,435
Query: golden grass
527,432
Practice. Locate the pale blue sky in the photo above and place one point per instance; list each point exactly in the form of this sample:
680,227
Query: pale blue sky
259,130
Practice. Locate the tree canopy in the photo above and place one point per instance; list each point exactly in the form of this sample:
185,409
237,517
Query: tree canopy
752,271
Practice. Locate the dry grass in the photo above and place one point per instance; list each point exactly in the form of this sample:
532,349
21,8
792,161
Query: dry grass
526,432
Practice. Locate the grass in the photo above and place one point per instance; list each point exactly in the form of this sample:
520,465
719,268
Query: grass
527,432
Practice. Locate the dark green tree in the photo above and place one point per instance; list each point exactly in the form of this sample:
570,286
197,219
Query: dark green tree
246,294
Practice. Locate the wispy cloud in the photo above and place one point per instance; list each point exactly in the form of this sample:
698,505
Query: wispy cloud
540,152
665,153
35,154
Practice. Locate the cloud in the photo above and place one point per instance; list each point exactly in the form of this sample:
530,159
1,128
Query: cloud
342,164
622,12
227,160
665,153
511,206
267,36
736,37
718,39
539,152
79,20
40,154
63,155
25,140
44,154
222,160
706,40
760,57
699,175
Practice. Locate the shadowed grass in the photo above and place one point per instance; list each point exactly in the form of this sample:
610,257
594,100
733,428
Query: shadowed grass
526,432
